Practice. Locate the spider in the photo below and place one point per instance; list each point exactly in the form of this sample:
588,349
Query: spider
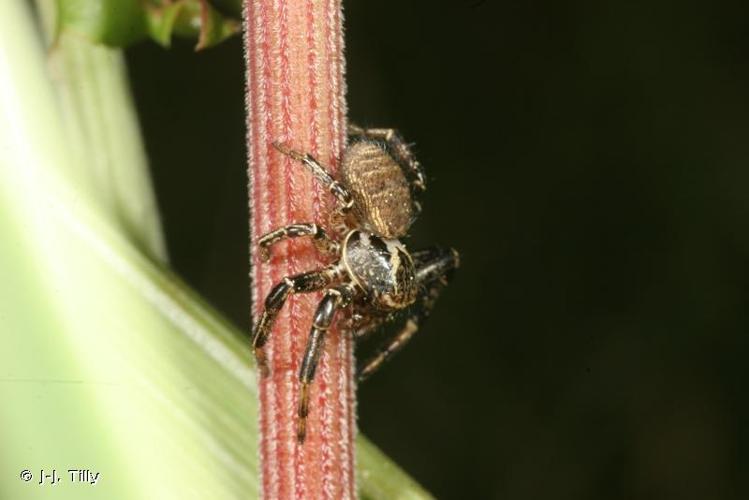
373,273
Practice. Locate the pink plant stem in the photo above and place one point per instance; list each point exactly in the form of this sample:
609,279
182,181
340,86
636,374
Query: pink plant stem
295,94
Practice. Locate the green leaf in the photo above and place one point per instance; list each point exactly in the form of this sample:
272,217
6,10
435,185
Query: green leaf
161,22
112,22
108,363
101,127
214,28
118,23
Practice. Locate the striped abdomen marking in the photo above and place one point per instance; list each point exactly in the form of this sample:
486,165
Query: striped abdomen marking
382,197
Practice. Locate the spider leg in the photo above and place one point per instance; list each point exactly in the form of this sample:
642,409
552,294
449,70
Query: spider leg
320,238
334,299
321,174
433,267
399,149
301,283
361,326
394,344
435,263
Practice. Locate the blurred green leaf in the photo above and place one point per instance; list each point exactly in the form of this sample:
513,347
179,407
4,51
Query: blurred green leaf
108,362
112,22
190,19
118,23
101,128
214,27
161,22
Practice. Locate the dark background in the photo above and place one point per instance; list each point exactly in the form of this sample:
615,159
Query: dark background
589,160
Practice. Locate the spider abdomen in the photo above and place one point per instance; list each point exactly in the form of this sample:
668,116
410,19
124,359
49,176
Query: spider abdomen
382,196
382,268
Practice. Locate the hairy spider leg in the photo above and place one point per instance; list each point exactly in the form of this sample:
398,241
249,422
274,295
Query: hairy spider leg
344,198
433,265
361,326
320,238
402,153
332,301
311,281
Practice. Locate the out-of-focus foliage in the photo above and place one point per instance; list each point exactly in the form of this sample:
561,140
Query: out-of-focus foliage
108,362
118,23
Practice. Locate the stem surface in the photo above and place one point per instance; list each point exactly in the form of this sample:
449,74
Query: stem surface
295,95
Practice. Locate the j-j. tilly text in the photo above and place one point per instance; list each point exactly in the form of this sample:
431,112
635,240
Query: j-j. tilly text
76,476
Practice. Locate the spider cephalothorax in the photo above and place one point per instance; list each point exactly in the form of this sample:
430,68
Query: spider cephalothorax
373,273
382,269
